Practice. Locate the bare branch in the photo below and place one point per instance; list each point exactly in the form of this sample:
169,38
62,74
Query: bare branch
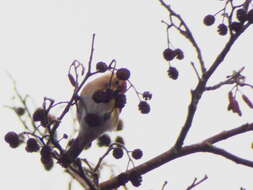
196,71
204,146
196,183
229,156
186,33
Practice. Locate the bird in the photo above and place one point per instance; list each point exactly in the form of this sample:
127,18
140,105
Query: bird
96,112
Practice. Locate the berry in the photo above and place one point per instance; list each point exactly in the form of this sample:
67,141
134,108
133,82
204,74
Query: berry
179,54
135,178
222,29
40,115
169,54
119,140
48,163
32,145
12,139
123,74
241,15
45,152
236,26
209,20
117,153
101,96
123,178
250,16
93,120
144,107
20,111
101,67
173,73
104,140
137,154
120,101
147,95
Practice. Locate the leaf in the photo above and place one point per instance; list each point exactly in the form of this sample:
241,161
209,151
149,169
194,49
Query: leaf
247,101
72,80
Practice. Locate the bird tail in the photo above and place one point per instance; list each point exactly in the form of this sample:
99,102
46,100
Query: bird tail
74,151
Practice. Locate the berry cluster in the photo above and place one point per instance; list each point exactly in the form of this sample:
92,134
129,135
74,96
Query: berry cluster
123,74
118,153
170,54
12,138
241,14
42,116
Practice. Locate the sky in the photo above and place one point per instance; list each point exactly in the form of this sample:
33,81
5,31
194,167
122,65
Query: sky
39,41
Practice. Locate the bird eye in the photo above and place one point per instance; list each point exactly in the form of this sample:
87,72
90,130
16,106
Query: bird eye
116,83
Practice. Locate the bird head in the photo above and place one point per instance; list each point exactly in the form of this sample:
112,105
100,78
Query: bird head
106,81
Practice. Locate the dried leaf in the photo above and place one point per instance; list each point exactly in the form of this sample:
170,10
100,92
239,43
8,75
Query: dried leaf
72,80
247,101
236,107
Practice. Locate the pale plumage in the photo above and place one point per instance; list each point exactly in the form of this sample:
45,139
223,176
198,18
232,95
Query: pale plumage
87,105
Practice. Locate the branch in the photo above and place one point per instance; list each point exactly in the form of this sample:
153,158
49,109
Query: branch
204,146
224,52
195,182
186,33
229,133
229,156
201,87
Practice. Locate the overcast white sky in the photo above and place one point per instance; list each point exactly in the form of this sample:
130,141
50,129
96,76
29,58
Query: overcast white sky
40,39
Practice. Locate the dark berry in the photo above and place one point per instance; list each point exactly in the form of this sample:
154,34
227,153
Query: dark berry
169,54
109,93
209,20
222,29
147,95
45,152
173,73
179,54
48,163
236,26
104,140
120,101
144,107
100,96
123,74
250,16
117,153
32,145
101,66
120,140
93,120
135,178
137,154
12,139
40,115
123,178
241,15
20,111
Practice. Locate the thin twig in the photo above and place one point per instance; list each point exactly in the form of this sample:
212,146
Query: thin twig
186,33
196,183
195,69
